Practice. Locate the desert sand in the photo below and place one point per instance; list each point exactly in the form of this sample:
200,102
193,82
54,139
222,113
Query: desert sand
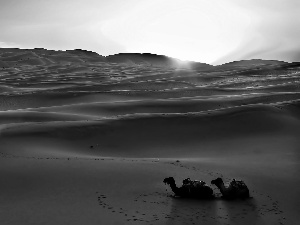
87,139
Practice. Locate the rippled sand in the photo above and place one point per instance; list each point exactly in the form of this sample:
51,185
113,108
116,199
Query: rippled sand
89,139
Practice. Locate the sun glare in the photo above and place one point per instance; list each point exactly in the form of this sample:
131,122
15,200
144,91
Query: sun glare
199,31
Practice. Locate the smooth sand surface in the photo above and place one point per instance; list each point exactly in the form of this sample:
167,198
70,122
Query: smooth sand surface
85,140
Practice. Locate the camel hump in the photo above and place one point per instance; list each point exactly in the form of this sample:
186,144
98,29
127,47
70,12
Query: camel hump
238,184
187,181
198,183
193,183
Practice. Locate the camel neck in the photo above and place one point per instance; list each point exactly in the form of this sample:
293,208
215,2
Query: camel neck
174,188
222,188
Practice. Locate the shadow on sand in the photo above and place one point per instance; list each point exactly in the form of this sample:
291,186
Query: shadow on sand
214,211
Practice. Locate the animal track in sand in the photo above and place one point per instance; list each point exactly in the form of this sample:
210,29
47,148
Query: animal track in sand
157,207
194,168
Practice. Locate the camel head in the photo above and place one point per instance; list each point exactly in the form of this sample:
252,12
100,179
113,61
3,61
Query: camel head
217,181
169,180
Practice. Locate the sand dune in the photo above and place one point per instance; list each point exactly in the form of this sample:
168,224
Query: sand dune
251,63
154,60
3,64
175,105
18,57
88,139
139,131
23,116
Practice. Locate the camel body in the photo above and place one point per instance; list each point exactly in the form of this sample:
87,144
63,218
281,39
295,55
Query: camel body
236,188
189,188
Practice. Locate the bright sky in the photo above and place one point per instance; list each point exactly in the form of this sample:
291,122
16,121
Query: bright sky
209,31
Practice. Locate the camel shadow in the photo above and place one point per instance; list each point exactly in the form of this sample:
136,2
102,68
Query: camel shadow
213,211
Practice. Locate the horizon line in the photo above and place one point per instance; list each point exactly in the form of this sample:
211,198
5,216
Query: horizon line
105,56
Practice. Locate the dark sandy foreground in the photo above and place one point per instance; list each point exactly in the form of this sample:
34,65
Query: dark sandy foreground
128,191
88,140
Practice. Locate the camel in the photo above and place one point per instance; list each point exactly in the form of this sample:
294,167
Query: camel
193,189
236,188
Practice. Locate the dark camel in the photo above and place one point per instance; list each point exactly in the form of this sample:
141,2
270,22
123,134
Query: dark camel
236,188
193,189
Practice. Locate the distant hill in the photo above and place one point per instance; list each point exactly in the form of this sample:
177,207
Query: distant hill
12,57
252,62
40,56
148,59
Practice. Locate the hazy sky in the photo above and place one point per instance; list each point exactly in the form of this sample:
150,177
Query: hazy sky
210,31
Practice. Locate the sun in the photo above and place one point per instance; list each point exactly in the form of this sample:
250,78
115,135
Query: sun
200,31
